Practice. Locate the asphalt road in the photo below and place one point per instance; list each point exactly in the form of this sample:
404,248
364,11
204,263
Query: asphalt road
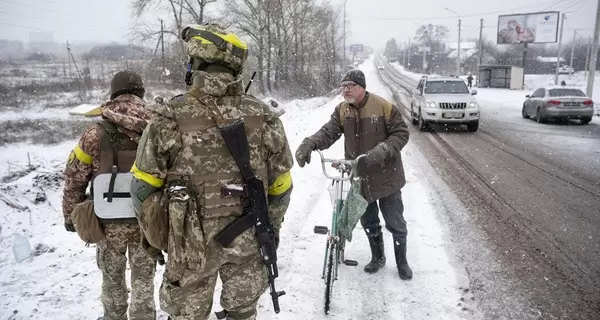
530,239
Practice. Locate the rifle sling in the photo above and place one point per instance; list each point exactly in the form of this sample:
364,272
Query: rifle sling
235,228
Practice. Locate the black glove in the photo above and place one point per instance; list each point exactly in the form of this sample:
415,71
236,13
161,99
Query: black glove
153,252
69,226
377,155
304,150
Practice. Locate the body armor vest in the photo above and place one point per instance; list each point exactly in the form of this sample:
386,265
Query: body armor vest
206,162
112,182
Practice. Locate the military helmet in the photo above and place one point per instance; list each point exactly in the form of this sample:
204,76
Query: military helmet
126,81
214,44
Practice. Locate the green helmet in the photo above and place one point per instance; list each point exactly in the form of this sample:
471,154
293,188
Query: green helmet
126,81
214,44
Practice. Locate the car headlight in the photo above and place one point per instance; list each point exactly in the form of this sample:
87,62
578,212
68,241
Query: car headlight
473,104
431,104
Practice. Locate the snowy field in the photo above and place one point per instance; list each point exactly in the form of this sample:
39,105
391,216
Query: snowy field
61,280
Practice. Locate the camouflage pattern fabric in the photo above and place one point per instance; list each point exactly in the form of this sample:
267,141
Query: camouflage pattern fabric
129,114
123,242
183,142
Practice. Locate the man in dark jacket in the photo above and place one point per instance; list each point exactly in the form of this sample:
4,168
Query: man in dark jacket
373,126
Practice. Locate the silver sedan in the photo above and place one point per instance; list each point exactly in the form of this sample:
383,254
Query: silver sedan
558,103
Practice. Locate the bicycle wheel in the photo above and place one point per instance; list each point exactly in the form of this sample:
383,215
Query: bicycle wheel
330,277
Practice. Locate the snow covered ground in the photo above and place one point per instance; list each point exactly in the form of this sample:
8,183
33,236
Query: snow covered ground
61,280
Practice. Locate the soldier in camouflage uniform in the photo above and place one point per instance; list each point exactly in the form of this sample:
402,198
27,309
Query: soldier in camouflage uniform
183,154
126,110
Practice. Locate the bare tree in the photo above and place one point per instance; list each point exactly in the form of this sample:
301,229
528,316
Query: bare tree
297,42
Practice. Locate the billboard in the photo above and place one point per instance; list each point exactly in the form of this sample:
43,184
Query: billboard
539,27
354,48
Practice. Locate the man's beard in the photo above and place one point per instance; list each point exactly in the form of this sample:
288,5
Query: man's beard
350,100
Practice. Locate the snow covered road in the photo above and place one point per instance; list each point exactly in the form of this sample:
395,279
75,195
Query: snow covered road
533,192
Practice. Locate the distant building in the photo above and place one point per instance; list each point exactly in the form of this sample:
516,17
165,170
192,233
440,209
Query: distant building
11,49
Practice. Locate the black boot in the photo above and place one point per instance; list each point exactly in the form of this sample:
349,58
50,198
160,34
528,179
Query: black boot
404,270
377,254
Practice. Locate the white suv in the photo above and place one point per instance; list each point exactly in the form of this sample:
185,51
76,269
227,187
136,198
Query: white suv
445,100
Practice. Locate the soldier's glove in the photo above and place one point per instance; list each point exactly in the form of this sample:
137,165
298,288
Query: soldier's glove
377,155
304,150
153,252
69,226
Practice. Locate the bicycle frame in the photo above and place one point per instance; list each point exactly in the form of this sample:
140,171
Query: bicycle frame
334,245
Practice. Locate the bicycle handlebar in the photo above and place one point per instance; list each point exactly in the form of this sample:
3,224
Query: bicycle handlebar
353,164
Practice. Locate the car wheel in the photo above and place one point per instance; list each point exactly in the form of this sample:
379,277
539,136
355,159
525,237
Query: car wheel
524,113
473,126
422,123
415,120
538,116
586,120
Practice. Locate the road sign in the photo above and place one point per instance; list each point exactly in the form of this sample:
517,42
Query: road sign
356,48
424,49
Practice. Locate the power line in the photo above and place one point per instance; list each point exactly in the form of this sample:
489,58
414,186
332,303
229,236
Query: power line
25,27
548,8
583,2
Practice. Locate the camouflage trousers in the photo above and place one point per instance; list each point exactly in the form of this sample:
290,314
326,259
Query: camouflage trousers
123,242
188,288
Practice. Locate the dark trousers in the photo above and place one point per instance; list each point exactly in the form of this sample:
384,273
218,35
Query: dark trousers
392,209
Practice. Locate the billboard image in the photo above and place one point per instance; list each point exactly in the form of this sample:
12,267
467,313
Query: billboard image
539,27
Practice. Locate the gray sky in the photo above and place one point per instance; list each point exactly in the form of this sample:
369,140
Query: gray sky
75,20
370,22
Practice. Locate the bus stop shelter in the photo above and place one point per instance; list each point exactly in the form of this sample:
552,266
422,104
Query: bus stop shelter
506,77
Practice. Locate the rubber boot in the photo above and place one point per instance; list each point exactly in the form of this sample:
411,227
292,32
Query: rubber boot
404,270
377,254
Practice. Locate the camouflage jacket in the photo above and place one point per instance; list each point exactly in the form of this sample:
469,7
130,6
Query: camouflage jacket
183,140
129,114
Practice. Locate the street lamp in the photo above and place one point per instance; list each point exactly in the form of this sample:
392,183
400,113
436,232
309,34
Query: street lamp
571,69
458,47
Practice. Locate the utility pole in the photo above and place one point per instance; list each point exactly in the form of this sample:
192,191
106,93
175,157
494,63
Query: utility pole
524,63
594,54
81,86
408,53
69,59
162,41
458,46
344,65
560,36
458,50
480,50
587,56
572,53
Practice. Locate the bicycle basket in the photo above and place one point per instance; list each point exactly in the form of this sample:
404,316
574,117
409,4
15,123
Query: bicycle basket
333,193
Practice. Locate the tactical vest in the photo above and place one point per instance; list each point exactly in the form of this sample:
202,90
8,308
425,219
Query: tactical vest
112,182
205,160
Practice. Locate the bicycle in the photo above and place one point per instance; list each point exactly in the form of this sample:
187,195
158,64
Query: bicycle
334,245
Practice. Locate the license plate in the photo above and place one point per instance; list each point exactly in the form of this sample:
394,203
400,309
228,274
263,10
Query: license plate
453,114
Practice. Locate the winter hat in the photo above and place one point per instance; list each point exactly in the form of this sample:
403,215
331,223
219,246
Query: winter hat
357,77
